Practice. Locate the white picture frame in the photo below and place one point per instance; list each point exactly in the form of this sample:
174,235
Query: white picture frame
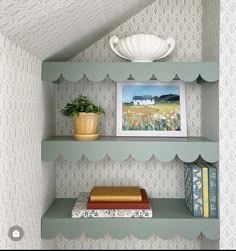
144,110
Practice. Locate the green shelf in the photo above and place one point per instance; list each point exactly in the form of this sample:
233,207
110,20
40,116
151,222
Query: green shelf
141,148
170,218
185,71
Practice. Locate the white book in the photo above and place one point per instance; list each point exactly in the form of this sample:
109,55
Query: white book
80,210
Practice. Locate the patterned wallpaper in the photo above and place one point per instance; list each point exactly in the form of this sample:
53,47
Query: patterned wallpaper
57,29
210,52
182,20
210,24
227,115
128,243
27,185
179,19
210,92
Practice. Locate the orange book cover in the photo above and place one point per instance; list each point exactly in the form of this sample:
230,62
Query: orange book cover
143,204
115,193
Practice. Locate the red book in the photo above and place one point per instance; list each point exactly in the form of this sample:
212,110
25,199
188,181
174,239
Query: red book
143,204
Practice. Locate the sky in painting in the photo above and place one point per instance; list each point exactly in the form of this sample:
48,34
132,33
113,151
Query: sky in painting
130,90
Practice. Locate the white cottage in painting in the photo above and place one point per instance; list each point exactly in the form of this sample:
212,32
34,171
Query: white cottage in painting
143,100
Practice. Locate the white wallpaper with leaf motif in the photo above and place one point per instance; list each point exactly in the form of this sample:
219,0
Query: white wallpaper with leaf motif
227,114
182,20
27,185
210,91
210,52
57,29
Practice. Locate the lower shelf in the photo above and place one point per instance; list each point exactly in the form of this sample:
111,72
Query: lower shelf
170,218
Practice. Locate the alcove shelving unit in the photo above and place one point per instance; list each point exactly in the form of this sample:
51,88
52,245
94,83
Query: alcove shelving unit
170,216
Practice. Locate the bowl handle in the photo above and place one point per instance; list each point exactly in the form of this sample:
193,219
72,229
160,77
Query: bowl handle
113,41
171,43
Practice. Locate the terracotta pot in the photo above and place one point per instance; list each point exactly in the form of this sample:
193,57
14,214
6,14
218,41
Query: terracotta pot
86,123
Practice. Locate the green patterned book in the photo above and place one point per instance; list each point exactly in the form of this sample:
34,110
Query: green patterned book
193,188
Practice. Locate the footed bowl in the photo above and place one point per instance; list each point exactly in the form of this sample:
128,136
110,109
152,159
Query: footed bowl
142,47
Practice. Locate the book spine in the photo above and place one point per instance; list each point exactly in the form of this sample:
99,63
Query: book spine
117,206
193,189
115,198
197,190
205,191
212,191
111,213
185,184
188,188
192,192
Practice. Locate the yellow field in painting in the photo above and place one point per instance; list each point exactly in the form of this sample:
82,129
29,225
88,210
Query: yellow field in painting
159,117
160,109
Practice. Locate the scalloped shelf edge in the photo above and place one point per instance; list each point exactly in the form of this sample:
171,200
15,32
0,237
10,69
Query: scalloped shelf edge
73,236
75,71
80,156
198,78
140,148
60,78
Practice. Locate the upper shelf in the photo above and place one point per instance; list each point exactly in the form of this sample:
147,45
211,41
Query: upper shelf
165,72
141,148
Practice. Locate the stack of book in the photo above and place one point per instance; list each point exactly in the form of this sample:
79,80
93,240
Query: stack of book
201,188
113,202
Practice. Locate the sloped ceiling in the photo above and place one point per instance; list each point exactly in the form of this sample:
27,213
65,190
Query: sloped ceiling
59,29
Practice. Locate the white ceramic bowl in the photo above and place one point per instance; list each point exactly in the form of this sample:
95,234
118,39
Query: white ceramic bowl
142,47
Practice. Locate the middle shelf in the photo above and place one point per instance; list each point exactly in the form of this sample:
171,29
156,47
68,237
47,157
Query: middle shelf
141,148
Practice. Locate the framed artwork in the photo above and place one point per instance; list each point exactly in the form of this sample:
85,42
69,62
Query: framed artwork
151,108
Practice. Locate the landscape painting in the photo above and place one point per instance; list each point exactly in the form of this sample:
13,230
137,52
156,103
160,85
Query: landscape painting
151,109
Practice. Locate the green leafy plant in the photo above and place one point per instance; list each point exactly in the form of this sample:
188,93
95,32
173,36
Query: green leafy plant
81,104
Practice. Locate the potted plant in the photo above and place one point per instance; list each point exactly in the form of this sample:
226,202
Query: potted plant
85,115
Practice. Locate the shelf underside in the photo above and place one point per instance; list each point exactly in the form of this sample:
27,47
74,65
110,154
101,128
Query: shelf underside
170,218
165,72
140,148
